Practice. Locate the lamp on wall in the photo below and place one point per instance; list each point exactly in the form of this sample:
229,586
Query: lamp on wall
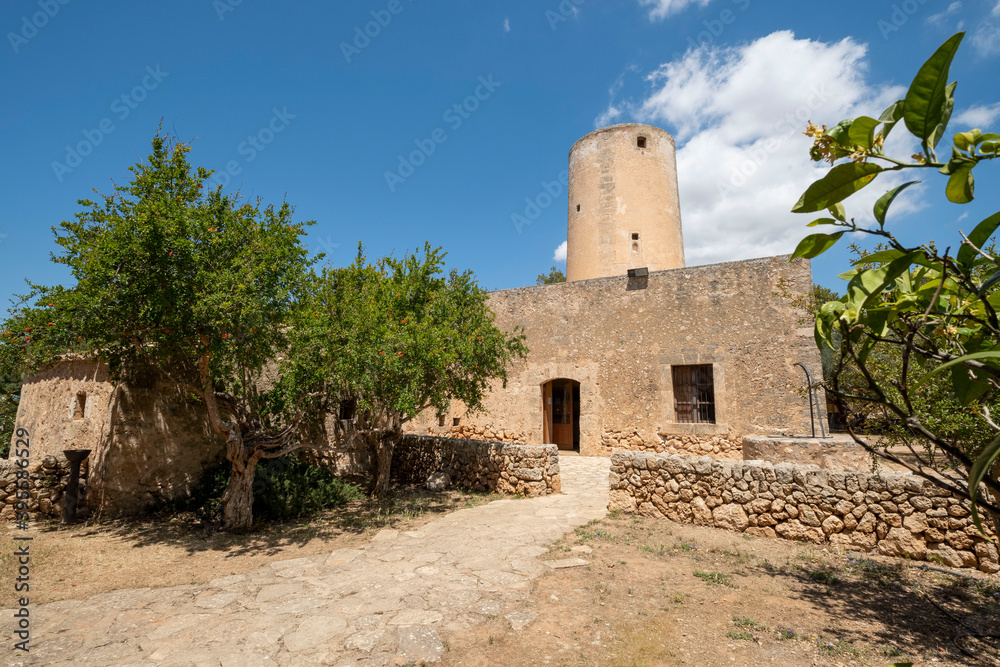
638,273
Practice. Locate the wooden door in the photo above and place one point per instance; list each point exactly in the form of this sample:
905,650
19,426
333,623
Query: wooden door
562,414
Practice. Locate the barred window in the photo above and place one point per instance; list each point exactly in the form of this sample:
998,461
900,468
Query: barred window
694,394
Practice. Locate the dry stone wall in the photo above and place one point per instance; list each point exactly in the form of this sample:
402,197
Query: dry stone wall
723,447
893,514
529,470
47,482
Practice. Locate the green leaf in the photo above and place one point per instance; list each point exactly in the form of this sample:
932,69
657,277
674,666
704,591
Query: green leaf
822,221
882,205
879,257
926,98
969,384
990,282
815,244
975,356
965,140
979,236
946,109
980,467
862,131
961,185
841,133
891,116
839,212
840,183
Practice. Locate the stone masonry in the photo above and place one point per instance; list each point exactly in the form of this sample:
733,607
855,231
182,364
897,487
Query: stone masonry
47,482
528,470
893,514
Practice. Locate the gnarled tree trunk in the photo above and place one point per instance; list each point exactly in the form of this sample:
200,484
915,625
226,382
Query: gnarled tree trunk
382,446
237,501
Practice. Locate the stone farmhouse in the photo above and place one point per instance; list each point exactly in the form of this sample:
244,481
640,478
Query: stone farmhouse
635,352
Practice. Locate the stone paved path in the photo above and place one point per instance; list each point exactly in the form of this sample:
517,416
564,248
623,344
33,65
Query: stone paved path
392,601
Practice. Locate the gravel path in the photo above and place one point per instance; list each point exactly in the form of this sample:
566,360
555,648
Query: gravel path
392,601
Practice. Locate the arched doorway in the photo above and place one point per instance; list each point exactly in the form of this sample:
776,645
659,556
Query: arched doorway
561,399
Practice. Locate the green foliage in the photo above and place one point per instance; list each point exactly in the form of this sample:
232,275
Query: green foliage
911,313
554,276
715,578
10,392
284,488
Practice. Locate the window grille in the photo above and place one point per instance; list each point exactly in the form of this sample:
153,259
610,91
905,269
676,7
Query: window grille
694,394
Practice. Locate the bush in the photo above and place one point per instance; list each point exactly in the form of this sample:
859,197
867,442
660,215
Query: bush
284,488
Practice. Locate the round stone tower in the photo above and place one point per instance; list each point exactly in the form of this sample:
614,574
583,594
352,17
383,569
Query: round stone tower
624,208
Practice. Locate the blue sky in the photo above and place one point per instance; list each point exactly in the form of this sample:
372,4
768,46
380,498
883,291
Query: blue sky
286,100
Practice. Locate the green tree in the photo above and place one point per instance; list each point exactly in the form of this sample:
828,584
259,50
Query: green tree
913,316
10,393
555,276
193,283
396,338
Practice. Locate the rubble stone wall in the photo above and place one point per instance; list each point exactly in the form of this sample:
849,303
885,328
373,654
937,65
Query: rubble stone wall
529,470
47,482
894,514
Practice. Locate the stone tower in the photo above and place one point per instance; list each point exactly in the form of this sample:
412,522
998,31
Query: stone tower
624,208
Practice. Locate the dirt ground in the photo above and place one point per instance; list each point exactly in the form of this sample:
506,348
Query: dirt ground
168,550
660,593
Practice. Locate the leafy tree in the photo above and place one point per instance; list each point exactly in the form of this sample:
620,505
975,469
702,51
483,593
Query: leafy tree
10,393
396,338
913,316
195,284
555,276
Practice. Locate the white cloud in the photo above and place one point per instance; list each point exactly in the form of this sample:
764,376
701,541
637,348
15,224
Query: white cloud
737,114
664,8
939,19
986,38
978,116
506,25
560,255
996,10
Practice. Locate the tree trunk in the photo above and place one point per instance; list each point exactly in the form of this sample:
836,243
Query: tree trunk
237,501
383,446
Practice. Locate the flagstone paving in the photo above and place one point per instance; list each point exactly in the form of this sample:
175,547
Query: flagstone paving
393,601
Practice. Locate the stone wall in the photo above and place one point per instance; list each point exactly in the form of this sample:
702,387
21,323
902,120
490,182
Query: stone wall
47,482
621,340
838,452
895,514
529,470
723,447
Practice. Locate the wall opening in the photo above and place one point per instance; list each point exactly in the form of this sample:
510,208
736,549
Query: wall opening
561,425
641,142
348,408
577,208
80,405
694,394
441,421
456,421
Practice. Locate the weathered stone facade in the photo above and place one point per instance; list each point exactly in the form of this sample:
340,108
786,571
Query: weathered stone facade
149,442
529,470
621,343
838,452
893,514
47,482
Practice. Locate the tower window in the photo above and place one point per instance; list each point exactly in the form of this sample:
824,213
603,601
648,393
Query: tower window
440,420
635,236
456,421
577,208
641,142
